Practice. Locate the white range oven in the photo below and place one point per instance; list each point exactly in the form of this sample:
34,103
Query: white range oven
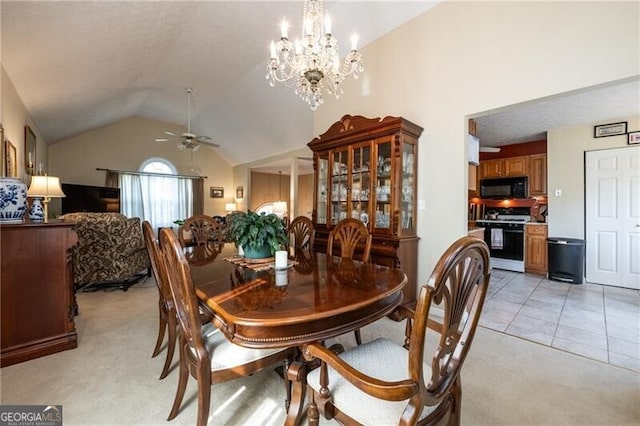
504,234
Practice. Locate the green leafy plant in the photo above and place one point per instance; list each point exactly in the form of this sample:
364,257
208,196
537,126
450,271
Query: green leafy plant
254,231
179,222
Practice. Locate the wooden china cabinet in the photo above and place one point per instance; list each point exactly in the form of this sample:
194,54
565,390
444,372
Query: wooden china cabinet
367,169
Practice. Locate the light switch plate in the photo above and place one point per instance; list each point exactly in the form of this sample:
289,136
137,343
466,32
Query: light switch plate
422,205
558,192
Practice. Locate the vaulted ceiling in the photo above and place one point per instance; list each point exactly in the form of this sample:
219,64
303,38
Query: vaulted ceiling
78,65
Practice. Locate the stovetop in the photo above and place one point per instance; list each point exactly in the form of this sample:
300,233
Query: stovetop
507,219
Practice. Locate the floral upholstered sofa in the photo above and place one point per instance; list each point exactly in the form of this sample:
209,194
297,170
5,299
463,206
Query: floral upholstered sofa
110,250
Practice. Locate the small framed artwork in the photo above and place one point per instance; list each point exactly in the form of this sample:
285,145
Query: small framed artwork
29,149
216,192
239,192
612,129
11,160
634,137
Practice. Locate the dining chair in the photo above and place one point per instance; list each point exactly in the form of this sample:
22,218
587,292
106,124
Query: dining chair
166,312
203,229
205,352
350,234
382,382
302,233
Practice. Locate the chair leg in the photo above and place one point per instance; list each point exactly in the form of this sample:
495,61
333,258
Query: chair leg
172,329
162,324
182,383
358,337
204,396
312,411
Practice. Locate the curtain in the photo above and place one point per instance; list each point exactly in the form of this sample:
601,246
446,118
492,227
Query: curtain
198,197
159,199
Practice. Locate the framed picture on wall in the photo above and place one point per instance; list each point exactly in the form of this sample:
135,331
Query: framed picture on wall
634,137
10,159
216,192
29,149
612,129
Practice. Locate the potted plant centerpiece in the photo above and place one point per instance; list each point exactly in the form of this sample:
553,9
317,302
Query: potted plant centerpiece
259,235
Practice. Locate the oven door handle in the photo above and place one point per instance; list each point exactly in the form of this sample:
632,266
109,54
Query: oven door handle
514,231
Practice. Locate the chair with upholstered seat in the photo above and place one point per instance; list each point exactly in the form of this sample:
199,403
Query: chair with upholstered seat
110,252
350,235
301,233
203,230
382,382
166,312
205,352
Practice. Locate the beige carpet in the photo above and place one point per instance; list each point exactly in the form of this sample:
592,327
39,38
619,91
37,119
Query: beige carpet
111,379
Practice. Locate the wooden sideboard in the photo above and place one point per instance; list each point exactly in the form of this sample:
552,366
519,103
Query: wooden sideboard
36,290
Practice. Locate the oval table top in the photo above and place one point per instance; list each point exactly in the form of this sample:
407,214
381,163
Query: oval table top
315,298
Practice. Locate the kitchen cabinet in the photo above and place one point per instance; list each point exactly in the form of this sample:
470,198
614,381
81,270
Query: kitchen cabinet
535,255
537,175
504,167
367,169
473,179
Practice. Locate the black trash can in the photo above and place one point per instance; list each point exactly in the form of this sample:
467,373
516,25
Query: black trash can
566,259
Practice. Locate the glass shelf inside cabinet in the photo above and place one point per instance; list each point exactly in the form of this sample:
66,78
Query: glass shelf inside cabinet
322,189
407,195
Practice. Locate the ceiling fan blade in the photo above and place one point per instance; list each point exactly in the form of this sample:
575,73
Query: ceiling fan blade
162,140
169,133
212,144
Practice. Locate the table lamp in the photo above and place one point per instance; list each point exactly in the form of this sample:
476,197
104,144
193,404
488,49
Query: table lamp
230,207
42,189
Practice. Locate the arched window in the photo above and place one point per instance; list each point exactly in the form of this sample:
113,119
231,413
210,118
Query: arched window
157,194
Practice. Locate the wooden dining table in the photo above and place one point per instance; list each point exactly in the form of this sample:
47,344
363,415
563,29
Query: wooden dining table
316,297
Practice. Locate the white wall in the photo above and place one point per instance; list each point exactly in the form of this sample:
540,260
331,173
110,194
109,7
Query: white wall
461,58
565,168
14,116
124,145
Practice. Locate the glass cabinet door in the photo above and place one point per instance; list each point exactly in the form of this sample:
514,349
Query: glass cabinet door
339,186
383,184
361,183
322,188
408,197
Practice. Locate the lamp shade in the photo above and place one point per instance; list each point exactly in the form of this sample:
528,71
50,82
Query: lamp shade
45,186
230,207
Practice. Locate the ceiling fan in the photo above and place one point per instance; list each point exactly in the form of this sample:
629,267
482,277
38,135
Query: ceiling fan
188,140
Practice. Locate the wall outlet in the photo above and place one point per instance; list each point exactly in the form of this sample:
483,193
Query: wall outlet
558,192
422,205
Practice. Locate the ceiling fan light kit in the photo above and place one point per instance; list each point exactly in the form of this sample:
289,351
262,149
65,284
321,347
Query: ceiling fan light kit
188,140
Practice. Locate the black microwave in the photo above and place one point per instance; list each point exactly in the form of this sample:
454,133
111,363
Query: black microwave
515,187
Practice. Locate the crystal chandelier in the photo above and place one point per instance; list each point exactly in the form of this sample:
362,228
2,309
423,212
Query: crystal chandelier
312,62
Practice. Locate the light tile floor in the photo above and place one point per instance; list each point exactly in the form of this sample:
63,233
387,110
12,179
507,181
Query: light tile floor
591,320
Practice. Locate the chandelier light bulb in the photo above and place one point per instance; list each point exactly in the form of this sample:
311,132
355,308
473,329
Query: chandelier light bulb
311,64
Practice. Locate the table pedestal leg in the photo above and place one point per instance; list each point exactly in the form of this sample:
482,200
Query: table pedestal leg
297,374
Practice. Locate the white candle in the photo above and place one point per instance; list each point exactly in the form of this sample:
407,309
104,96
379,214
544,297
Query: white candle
282,278
273,49
281,259
354,41
284,27
327,24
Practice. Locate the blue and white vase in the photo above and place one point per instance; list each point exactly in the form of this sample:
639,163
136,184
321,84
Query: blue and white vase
36,212
13,200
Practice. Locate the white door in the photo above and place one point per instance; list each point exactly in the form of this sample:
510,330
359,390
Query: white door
613,217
